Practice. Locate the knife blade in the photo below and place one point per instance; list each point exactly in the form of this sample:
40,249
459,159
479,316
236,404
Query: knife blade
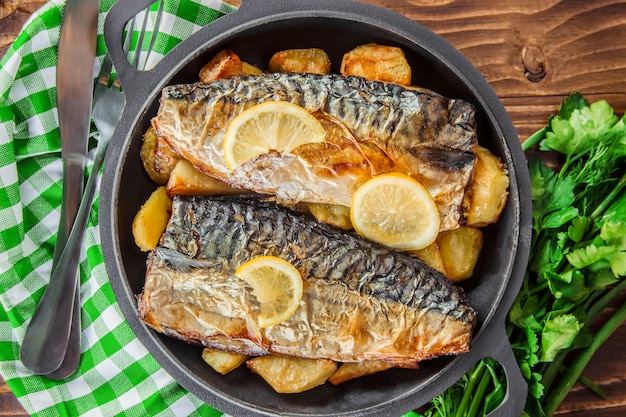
45,348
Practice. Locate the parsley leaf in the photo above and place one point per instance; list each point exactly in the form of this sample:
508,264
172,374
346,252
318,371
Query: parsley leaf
577,228
572,102
558,334
614,233
552,198
590,254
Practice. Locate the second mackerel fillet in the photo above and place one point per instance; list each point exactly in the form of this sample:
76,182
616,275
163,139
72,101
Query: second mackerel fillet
361,301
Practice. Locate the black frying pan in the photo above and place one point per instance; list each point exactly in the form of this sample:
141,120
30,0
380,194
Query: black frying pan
257,30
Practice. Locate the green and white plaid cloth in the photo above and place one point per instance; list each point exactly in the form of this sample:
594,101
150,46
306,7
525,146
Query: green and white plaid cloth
116,375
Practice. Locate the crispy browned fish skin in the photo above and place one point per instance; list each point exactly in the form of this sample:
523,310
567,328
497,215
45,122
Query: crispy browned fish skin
361,300
386,127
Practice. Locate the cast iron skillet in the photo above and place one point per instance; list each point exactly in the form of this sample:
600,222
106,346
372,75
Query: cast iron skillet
255,31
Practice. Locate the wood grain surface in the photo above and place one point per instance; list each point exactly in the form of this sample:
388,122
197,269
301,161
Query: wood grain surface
533,53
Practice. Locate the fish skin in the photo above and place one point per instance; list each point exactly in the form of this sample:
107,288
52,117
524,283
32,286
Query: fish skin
388,127
362,301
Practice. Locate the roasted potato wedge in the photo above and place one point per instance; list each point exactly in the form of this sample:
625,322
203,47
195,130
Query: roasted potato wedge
377,62
430,255
151,219
221,361
290,374
489,190
249,69
226,64
157,157
311,60
351,370
459,251
186,180
334,214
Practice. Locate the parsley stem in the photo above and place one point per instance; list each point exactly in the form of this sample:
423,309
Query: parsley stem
565,165
592,386
475,374
479,396
538,288
552,369
609,198
601,304
554,399
534,139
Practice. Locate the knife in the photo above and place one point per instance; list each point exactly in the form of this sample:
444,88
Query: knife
51,345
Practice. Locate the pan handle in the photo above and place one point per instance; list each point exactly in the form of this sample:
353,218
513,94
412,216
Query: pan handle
516,387
118,15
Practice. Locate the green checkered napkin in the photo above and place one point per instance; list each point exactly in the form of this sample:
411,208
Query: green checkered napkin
116,376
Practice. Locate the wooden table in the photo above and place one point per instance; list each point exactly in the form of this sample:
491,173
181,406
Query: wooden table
533,53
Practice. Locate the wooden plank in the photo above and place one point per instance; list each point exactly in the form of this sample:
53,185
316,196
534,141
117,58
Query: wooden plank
532,48
9,405
13,15
533,53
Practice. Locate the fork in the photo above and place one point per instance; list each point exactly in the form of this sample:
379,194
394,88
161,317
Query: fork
108,105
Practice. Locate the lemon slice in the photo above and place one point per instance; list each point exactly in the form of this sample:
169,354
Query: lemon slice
395,210
277,285
273,125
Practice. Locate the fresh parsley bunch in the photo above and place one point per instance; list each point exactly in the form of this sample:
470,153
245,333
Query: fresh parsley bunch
577,264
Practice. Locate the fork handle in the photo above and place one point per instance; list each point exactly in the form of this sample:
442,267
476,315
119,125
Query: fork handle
37,352
73,181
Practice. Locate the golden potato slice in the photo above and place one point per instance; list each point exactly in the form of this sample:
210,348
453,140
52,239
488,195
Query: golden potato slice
489,190
157,157
351,370
334,214
430,255
459,251
151,219
377,62
186,180
290,374
221,361
311,60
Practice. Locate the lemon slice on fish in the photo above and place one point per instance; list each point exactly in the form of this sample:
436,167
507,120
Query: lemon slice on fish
395,210
273,125
277,285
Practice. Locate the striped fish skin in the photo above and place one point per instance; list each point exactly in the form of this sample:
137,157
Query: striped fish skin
362,301
386,128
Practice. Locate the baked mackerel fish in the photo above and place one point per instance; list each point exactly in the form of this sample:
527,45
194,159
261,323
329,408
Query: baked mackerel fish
361,301
371,128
